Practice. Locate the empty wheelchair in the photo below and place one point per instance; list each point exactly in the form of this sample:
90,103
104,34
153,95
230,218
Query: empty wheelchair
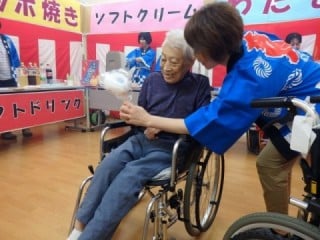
195,203
306,225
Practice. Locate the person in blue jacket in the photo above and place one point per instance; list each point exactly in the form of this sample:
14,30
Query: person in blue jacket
257,67
295,40
9,61
174,92
141,59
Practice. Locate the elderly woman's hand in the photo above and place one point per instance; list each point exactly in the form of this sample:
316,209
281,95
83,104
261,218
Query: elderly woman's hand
151,133
134,114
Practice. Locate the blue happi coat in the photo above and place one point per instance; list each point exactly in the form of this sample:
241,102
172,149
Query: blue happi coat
265,67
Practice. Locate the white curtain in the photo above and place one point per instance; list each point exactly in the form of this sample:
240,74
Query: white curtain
47,54
308,42
101,53
76,56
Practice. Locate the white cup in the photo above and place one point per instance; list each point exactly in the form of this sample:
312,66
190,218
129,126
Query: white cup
69,82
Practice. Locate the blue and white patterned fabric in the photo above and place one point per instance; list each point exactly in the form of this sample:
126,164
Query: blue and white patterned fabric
12,53
267,67
142,68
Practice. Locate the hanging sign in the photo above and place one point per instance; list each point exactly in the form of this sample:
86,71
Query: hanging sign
58,14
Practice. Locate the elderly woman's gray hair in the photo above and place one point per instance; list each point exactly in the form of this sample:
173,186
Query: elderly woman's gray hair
175,39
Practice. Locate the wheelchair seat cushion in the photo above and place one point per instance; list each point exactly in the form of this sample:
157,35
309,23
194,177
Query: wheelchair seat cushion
163,175
191,154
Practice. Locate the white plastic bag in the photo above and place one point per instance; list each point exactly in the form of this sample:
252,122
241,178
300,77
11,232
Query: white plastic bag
117,82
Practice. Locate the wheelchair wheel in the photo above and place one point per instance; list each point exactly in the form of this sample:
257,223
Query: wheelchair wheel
257,226
203,191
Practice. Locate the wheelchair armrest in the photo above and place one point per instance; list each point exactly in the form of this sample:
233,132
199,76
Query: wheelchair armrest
107,145
116,124
188,139
193,150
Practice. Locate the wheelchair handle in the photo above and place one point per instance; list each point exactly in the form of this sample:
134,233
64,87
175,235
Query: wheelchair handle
277,102
312,205
290,102
315,99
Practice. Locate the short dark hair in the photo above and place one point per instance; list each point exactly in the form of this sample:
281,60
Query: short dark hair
215,30
293,35
145,36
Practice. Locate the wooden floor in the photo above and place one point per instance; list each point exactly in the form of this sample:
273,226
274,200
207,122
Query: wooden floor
40,177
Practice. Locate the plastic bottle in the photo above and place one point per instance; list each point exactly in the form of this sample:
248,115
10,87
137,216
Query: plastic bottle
43,77
32,74
36,70
70,80
22,75
18,72
49,76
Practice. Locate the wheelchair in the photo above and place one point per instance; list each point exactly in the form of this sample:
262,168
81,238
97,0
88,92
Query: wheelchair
196,204
307,223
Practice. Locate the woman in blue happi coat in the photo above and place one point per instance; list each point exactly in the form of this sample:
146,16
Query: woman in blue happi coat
141,59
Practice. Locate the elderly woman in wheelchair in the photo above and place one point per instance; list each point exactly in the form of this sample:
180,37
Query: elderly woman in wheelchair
174,92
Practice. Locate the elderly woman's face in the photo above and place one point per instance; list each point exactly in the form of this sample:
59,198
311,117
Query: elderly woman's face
173,64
